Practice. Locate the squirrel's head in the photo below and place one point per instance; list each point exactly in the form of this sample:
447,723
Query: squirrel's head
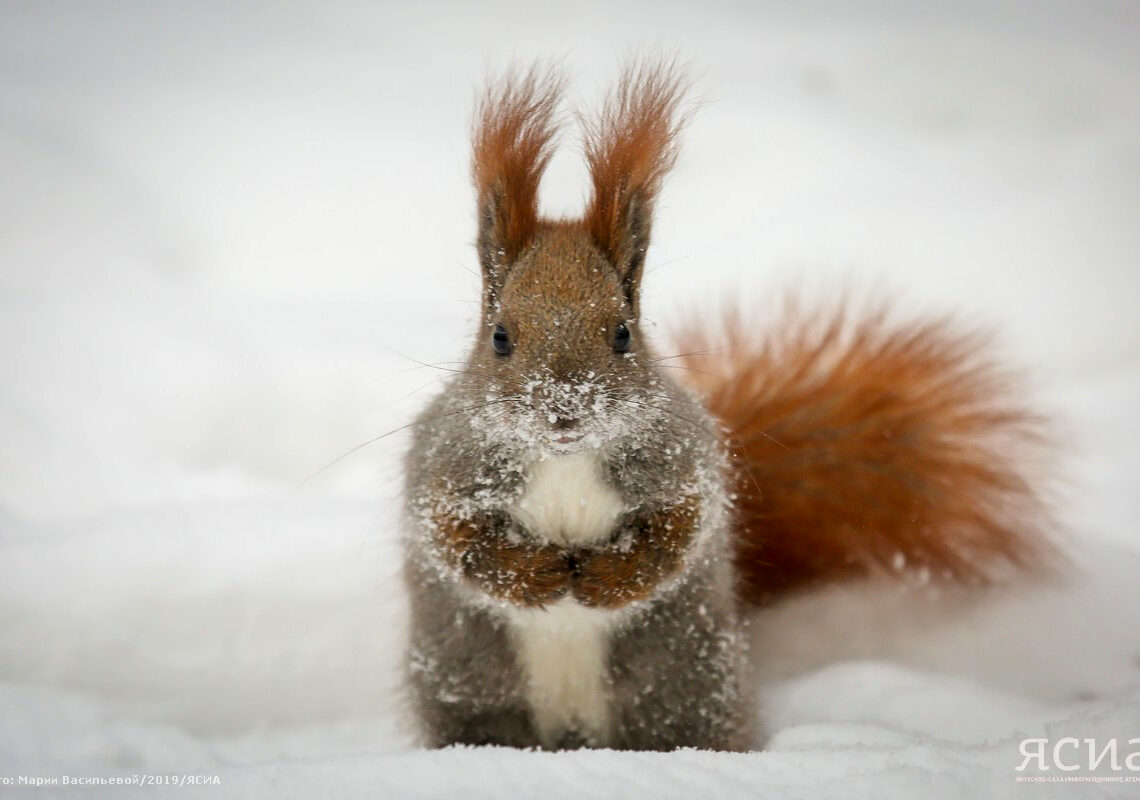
560,340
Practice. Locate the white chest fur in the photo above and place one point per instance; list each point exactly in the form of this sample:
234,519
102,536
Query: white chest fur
563,649
567,500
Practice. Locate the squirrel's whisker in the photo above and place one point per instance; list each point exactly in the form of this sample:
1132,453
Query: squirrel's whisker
394,431
713,352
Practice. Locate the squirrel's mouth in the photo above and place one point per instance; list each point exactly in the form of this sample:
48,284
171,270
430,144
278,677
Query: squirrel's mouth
565,430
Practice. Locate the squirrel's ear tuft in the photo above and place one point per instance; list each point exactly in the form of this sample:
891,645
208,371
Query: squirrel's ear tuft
630,147
512,142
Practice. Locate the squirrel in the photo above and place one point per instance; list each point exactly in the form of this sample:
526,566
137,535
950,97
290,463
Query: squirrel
585,537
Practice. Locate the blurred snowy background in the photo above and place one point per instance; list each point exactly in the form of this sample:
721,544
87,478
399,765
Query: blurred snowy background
225,230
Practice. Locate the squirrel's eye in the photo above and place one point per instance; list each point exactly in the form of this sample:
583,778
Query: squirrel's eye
621,338
501,341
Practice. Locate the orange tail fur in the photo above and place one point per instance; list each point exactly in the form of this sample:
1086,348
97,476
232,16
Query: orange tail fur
864,448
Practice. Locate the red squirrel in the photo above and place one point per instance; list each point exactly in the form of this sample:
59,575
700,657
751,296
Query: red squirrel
585,536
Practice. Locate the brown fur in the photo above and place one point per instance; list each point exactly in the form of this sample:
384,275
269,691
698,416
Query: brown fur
562,269
630,147
513,568
864,448
622,573
509,565
512,142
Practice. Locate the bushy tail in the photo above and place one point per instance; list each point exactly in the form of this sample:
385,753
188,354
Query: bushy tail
867,448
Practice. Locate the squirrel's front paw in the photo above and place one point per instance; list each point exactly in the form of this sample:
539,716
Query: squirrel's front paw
647,549
509,567
524,574
611,578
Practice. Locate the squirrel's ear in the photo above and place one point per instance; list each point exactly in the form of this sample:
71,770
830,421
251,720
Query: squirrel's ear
629,148
512,142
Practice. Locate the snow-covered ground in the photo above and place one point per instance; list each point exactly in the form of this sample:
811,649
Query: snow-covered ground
226,231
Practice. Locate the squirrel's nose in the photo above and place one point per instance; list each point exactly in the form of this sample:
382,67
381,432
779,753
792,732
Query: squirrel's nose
565,423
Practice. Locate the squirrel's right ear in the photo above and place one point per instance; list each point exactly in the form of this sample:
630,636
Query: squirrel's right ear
512,142
629,148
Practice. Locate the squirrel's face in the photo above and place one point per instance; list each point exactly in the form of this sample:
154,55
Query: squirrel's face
559,343
560,354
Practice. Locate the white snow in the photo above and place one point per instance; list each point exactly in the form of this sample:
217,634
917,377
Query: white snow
231,233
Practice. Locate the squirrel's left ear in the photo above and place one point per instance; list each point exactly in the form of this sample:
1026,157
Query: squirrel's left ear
629,148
